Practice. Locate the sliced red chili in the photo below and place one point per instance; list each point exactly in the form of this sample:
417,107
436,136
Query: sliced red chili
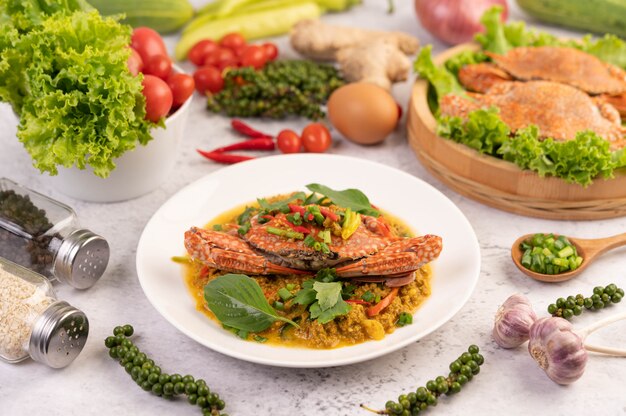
254,144
226,158
246,130
297,208
329,214
298,228
358,302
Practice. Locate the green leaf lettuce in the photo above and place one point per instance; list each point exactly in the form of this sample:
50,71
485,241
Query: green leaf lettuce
65,75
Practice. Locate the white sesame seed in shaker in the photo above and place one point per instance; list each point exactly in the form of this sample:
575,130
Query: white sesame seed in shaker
34,323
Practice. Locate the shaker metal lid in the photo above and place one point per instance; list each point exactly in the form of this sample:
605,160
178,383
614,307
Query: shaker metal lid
59,335
82,258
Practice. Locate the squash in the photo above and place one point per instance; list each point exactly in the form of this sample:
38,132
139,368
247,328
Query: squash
599,16
164,16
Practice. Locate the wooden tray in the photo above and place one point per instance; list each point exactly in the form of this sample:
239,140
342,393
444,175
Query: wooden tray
502,184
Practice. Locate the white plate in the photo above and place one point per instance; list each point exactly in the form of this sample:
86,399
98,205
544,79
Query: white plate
421,206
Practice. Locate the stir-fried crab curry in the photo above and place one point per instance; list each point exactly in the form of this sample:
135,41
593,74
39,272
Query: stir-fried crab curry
318,270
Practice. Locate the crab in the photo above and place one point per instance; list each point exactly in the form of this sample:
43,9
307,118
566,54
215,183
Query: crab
558,110
557,64
372,253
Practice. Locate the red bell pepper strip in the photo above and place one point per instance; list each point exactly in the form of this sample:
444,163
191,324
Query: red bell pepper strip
386,301
226,158
329,214
254,144
246,130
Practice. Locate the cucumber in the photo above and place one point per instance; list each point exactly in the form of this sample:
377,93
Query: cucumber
600,16
164,16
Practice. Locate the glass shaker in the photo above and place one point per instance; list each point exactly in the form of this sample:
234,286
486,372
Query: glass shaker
34,323
43,235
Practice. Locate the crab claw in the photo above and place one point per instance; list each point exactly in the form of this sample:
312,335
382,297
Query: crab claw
229,253
398,258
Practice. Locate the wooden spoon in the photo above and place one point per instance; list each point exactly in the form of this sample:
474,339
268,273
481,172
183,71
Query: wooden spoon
588,249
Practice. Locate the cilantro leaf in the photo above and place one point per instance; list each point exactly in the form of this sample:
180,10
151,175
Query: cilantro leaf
348,198
327,294
324,316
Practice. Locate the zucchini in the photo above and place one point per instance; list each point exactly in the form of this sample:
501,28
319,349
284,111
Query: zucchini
600,16
164,16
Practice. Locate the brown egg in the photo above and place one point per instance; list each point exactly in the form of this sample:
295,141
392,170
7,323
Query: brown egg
362,112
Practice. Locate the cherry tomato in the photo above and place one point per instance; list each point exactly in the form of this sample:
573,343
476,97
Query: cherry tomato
158,97
159,66
201,50
316,138
182,86
233,41
208,79
148,43
221,58
254,56
134,63
271,51
288,142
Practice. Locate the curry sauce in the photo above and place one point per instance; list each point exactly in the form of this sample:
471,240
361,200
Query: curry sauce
353,328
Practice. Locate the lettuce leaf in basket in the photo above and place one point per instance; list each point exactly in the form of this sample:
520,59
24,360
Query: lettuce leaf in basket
580,160
64,72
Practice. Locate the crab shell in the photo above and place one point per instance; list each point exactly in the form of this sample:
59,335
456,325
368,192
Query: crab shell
365,254
558,110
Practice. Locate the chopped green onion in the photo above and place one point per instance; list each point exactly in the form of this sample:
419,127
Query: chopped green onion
404,319
217,227
548,254
284,294
309,241
181,259
368,296
259,338
279,306
290,286
285,233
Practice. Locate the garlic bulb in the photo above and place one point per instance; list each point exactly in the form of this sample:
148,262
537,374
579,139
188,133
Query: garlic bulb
513,321
558,350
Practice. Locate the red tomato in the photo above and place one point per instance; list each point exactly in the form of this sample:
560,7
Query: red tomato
233,41
288,142
158,97
208,80
201,50
182,86
159,66
221,58
254,56
271,51
134,63
148,43
316,138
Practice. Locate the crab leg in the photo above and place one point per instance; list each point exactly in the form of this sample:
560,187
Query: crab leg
229,253
401,257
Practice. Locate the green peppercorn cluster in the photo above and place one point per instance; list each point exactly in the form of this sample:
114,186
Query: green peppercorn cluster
280,89
573,305
149,376
462,370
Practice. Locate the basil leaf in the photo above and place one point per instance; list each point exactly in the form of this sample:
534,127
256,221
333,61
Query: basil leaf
348,198
238,302
327,294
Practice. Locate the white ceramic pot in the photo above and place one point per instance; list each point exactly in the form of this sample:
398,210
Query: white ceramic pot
137,172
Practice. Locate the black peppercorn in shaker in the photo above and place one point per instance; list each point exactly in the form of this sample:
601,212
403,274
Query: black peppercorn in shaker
44,236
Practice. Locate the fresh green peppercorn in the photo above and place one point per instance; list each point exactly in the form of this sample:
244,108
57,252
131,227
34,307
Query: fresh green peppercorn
188,379
560,303
616,298
431,385
552,308
220,404
455,387
421,394
455,366
179,387
598,305
202,401
168,389
588,303
157,389
202,389
128,330
176,378
598,290
153,378
478,358
192,398
146,385
110,342
118,330
412,398
567,313
577,310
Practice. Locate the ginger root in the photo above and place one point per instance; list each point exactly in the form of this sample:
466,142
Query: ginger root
363,55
